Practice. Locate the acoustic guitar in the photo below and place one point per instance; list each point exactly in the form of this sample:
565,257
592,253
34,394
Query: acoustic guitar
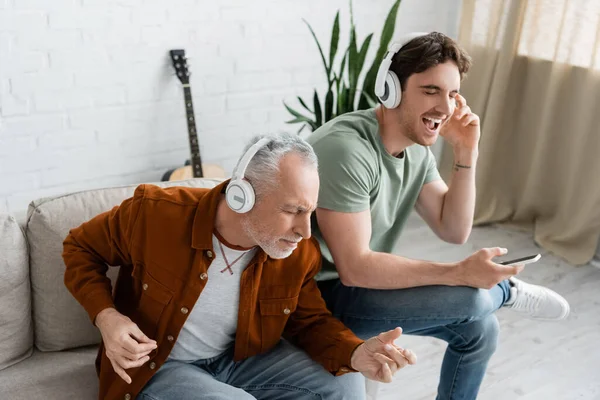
193,168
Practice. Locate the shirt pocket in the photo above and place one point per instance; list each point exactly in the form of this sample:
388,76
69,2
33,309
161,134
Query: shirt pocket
274,314
153,299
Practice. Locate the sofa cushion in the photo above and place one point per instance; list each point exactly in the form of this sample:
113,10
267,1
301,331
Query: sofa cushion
61,375
16,331
60,322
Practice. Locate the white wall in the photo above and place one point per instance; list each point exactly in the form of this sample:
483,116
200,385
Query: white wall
87,97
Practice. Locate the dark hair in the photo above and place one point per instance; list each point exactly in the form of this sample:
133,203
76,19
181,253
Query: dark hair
427,51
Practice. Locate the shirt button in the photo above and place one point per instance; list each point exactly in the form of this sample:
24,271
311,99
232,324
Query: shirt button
209,254
145,286
203,276
286,311
184,310
170,338
127,396
152,365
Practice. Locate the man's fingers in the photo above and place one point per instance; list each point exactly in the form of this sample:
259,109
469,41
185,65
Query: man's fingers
128,364
460,101
134,356
134,347
140,336
470,119
121,372
462,111
492,252
390,336
397,356
410,356
383,359
518,268
386,373
511,270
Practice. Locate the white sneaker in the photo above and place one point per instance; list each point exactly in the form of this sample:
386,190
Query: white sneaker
536,301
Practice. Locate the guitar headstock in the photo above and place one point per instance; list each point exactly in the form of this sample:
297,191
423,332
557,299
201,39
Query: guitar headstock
180,65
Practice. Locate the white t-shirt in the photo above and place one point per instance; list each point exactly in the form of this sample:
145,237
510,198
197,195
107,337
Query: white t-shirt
212,323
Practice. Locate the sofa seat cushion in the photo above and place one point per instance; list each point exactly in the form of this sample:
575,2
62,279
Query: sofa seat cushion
60,322
69,374
16,330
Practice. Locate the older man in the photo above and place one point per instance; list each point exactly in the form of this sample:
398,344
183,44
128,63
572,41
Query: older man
209,282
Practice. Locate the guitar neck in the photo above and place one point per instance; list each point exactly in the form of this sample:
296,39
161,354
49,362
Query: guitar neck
196,161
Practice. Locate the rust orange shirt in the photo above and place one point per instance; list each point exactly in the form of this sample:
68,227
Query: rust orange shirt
162,241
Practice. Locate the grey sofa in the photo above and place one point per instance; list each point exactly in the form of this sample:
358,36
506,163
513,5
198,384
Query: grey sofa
47,343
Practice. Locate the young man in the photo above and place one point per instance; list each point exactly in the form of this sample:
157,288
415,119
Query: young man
209,282
375,168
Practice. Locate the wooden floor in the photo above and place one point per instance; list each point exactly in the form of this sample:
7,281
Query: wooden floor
535,360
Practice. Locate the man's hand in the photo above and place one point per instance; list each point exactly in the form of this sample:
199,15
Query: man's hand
462,129
479,271
378,358
125,344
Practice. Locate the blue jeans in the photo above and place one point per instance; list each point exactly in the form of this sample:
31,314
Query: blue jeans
284,373
462,316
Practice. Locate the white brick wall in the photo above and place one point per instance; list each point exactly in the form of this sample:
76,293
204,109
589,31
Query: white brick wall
88,98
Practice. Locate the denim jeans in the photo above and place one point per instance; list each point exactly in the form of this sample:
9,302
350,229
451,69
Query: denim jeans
284,373
461,316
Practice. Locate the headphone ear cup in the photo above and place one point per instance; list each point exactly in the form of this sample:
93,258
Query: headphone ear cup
393,89
240,196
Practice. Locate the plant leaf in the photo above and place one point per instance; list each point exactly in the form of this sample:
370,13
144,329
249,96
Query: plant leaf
306,121
320,49
304,105
344,102
360,62
352,63
386,36
343,65
295,113
365,101
328,105
362,54
318,112
341,99
302,128
335,39
371,101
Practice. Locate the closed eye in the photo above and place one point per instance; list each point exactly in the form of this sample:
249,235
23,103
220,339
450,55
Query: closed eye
294,212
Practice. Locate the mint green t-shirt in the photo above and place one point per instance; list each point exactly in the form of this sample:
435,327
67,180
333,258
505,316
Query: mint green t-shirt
358,174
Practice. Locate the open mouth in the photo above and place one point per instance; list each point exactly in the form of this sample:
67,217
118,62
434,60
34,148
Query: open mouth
432,124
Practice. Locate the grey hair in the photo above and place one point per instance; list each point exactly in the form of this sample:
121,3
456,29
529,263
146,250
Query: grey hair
263,168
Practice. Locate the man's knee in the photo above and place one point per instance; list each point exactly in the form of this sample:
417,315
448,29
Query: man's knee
351,386
471,303
482,335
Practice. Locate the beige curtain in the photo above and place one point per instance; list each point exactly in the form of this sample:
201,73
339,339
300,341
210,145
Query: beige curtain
535,84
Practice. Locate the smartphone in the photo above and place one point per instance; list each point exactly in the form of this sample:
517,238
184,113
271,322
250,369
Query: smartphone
523,260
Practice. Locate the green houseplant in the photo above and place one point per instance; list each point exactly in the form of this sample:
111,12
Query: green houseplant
342,94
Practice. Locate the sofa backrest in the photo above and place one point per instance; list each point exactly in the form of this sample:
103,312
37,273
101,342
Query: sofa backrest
16,331
59,321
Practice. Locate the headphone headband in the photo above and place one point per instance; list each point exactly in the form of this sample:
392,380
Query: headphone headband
240,170
387,60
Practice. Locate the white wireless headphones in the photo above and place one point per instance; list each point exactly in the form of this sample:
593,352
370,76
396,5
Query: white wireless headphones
239,193
387,84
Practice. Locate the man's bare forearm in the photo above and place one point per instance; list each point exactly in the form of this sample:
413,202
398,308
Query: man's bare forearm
459,201
375,270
